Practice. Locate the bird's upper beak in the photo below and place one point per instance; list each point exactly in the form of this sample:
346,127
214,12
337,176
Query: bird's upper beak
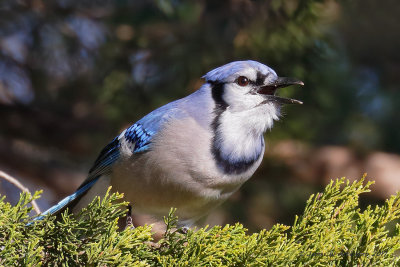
270,89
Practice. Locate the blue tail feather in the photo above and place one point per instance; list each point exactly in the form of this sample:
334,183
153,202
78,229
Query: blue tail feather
66,201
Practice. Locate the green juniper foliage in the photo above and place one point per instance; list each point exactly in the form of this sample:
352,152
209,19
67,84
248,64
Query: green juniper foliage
332,231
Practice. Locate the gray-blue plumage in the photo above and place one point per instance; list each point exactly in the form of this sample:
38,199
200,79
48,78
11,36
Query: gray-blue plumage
192,153
138,135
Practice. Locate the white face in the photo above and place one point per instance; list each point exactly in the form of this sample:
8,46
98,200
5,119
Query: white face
241,80
249,84
241,94
245,107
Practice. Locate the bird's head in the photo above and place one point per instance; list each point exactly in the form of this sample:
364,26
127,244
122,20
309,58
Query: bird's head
245,85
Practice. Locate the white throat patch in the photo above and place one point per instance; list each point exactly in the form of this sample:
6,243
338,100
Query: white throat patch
240,134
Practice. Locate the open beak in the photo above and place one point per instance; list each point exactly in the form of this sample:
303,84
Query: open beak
270,89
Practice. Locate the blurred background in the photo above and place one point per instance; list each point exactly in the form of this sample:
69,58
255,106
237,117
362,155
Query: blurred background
73,74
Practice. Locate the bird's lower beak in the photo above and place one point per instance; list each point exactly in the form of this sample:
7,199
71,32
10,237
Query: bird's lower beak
270,89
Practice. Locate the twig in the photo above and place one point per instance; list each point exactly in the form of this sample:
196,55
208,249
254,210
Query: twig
15,182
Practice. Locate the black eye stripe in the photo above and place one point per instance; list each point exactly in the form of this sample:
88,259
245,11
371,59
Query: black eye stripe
259,80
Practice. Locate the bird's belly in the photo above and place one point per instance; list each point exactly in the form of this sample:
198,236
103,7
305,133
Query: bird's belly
152,189
157,193
178,171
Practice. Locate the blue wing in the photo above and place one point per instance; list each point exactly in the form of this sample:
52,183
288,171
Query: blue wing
136,135
139,136
140,139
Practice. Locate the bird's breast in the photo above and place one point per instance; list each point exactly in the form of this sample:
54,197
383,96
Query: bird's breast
178,171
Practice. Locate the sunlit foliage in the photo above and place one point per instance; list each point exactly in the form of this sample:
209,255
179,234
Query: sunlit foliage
333,231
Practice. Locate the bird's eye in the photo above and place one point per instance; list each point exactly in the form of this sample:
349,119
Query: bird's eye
243,81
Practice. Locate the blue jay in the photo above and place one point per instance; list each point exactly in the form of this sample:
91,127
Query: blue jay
193,153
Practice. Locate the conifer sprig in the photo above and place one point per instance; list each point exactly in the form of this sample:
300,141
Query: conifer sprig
332,231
